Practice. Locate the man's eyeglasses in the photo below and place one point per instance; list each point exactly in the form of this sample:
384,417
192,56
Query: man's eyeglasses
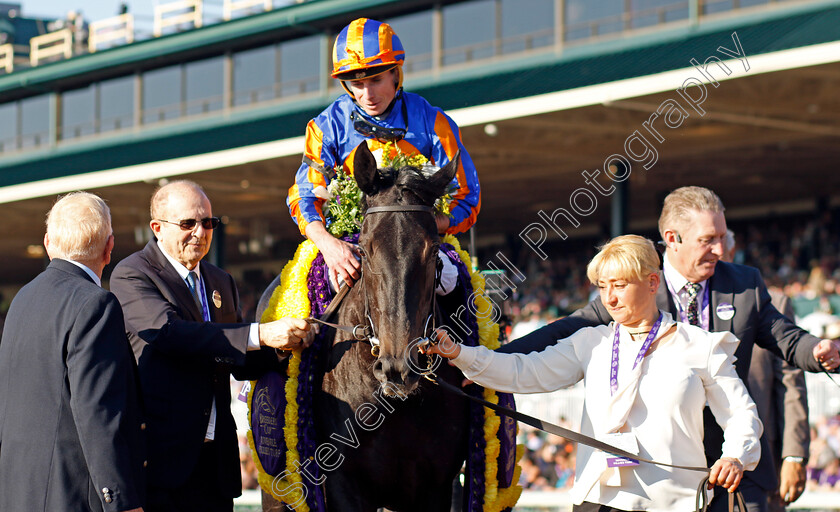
190,224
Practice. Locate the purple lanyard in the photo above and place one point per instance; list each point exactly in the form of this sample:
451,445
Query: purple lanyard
641,355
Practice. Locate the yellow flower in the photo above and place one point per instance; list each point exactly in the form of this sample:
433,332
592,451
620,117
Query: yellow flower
290,299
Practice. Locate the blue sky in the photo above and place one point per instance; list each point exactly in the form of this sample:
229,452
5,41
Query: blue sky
94,10
91,9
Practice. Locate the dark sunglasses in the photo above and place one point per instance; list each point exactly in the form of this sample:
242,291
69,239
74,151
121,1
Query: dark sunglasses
368,129
189,224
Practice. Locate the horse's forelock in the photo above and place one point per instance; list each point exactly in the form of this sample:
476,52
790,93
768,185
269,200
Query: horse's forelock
411,179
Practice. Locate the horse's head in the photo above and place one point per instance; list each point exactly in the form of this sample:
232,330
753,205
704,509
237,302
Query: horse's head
398,275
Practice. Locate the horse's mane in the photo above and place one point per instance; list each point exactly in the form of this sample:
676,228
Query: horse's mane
408,179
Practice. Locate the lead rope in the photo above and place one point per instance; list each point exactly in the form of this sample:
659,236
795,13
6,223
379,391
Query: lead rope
589,441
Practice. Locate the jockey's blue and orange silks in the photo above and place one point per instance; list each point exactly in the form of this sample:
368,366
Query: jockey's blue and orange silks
331,141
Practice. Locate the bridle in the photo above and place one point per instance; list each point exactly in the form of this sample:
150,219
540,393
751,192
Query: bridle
367,331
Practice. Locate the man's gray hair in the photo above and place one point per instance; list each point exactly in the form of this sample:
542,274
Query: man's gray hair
679,205
78,227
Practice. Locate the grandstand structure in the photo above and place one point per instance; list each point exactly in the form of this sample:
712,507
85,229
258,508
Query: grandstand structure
579,115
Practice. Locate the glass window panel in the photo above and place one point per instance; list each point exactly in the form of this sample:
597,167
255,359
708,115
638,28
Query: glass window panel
78,113
715,6
527,24
162,94
35,121
300,65
585,19
415,31
645,13
116,104
750,3
205,85
469,31
254,75
8,127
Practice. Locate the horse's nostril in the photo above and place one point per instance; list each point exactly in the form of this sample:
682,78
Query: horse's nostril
377,368
388,370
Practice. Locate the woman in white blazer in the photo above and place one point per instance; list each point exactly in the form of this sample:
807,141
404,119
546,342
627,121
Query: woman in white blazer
647,379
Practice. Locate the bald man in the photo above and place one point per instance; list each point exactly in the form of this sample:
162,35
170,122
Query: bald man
183,320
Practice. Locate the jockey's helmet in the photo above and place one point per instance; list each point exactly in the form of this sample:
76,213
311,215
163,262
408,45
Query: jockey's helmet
367,48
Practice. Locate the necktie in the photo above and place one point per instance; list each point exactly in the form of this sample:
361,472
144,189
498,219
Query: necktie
692,313
192,283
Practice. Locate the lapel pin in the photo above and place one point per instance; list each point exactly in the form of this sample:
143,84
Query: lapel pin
725,311
217,299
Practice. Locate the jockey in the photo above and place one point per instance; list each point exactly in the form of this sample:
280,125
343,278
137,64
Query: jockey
367,60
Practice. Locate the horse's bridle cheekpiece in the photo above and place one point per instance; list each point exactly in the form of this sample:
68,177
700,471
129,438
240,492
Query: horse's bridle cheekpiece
368,332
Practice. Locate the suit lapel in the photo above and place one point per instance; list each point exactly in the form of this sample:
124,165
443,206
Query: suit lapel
209,286
180,291
718,296
664,301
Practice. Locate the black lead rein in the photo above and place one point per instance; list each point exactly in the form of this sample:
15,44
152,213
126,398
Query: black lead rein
556,429
701,503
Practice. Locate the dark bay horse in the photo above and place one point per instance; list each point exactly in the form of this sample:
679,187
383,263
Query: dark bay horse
399,440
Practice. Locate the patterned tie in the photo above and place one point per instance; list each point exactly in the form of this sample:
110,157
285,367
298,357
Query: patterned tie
692,310
192,283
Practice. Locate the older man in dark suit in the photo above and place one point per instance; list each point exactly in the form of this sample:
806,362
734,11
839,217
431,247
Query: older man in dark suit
183,320
717,296
70,425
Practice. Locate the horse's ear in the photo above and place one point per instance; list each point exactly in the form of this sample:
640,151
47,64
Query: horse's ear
364,169
443,177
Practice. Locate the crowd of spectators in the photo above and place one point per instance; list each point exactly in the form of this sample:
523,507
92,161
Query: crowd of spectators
548,463
824,459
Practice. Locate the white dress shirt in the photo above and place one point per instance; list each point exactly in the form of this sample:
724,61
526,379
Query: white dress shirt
675,283
88,271
660,402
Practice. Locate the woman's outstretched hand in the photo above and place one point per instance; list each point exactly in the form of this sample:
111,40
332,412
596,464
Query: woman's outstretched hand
443,347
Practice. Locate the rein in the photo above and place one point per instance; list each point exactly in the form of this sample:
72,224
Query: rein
701,504
555,429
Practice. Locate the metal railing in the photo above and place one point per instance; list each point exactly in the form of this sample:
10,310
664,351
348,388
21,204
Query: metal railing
232,6
110,30
58,43
178,13
7,57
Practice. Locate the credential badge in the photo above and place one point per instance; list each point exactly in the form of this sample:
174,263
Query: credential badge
725,311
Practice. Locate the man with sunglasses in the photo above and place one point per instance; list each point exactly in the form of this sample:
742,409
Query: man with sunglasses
367,60
183,321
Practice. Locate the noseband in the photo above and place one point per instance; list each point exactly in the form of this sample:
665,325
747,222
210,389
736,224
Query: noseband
368,332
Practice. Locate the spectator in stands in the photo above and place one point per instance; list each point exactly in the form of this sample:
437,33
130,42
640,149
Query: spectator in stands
531,477
821,455
647,379
564,467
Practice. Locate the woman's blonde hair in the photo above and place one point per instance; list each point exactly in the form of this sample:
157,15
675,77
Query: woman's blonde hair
630,257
